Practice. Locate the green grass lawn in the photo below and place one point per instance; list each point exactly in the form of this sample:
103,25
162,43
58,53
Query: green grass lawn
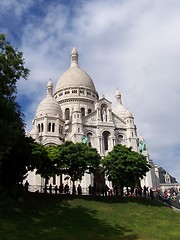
50,217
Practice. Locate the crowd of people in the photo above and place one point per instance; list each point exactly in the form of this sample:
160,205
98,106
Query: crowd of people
63,189
169,195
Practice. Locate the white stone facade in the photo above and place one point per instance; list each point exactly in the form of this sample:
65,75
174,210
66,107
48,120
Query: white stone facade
75,110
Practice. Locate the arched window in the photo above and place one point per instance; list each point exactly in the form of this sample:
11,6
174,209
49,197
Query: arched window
89,111
106,135
53,127
89,136
83,111
39,127
49,127
42,127
119,139
67,114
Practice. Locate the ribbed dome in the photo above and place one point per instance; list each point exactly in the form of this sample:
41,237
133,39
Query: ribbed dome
75,76
49,105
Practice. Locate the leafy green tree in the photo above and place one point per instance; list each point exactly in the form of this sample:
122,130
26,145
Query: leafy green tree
12,131
125,167
76,159
41,162
72,159
54,154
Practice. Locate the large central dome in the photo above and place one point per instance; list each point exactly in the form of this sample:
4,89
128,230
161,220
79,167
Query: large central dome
75,77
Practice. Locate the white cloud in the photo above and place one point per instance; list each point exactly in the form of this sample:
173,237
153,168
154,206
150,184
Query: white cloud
130,45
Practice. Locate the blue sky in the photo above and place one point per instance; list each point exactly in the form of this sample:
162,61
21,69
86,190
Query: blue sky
126,44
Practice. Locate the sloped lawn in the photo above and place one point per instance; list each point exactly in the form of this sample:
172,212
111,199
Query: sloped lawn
62,217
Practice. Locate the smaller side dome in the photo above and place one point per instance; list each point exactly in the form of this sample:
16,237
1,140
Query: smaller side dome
49,106
128,114
119,109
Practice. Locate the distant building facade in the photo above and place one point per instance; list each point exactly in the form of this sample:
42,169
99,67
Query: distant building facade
74,112
167,181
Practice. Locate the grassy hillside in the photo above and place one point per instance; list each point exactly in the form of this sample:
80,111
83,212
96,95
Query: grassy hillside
50,217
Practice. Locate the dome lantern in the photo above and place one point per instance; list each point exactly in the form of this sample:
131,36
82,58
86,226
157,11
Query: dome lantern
118,96
77,79
74,58
49,88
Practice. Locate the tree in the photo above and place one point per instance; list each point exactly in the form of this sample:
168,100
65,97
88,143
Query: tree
76,159
72,159
15,167
125,167
11,119
41,162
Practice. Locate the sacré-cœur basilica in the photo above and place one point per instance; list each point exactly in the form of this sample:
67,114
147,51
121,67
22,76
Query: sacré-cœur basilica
74,111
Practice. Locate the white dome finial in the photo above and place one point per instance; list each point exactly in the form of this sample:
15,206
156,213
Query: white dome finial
74,57
50,88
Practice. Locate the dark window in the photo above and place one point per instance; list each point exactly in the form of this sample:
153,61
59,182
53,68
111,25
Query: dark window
49,127
42,127
81,91
89,136
54,180
89,111
67,114
83,112
106,138
74,91
53,127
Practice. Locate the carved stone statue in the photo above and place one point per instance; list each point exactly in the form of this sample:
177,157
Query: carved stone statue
104,115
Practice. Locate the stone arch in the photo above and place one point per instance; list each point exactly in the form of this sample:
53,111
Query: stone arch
120,138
